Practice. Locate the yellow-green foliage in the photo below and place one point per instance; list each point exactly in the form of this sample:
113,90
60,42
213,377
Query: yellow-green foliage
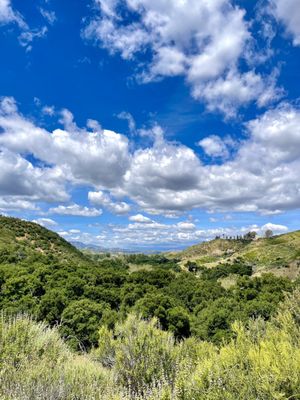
263,362
139,361
36,364
140,353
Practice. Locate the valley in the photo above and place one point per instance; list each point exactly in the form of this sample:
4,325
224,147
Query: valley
135,324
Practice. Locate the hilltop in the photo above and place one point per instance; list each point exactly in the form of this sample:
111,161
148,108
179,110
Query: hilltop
279,254
20,240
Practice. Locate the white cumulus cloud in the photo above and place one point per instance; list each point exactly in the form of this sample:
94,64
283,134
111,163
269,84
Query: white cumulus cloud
140,219
75,210
103,199
203,41
47,222
214,146
164,177
288,13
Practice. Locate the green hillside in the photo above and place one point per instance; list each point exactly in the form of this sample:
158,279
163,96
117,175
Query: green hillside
155,331
279,254
22,241
44,276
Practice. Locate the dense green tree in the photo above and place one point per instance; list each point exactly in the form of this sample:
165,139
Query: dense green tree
158,277
155,304
81,320
178,322
52,305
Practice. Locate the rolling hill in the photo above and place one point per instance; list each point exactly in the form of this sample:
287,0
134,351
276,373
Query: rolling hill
279,254
20,240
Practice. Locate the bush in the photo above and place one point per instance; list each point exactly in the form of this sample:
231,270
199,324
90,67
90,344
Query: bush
36,364
141,354
138,361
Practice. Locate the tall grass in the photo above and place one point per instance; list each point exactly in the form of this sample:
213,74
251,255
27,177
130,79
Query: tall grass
139,361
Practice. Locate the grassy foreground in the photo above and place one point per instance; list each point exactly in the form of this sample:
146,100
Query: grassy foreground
139,361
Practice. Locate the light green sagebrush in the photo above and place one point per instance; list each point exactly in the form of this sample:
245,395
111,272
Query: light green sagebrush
139,361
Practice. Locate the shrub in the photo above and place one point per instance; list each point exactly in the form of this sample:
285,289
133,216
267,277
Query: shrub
36,364
138,361
141,354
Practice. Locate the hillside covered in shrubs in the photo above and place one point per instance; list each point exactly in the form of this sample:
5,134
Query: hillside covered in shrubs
269,253
80,326
64,288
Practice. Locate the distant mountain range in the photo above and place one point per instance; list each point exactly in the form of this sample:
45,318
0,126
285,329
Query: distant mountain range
97,249
115,250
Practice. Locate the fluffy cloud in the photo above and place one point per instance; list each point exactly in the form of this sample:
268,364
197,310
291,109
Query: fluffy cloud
278,131
288,12
162,178
103,199
228,92
47,222
13,203
140,219
186,226
8,15
75,209
165,177
203,41
74,231
19,178
274,227
168,165
214,146
100,158
262,177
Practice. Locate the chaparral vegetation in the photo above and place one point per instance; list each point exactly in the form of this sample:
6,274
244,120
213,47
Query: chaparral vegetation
84,326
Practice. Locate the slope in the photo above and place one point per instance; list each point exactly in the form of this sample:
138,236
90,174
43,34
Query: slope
279,254
21,240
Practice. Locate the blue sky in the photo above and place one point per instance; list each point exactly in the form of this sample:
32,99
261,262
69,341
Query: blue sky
150,124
